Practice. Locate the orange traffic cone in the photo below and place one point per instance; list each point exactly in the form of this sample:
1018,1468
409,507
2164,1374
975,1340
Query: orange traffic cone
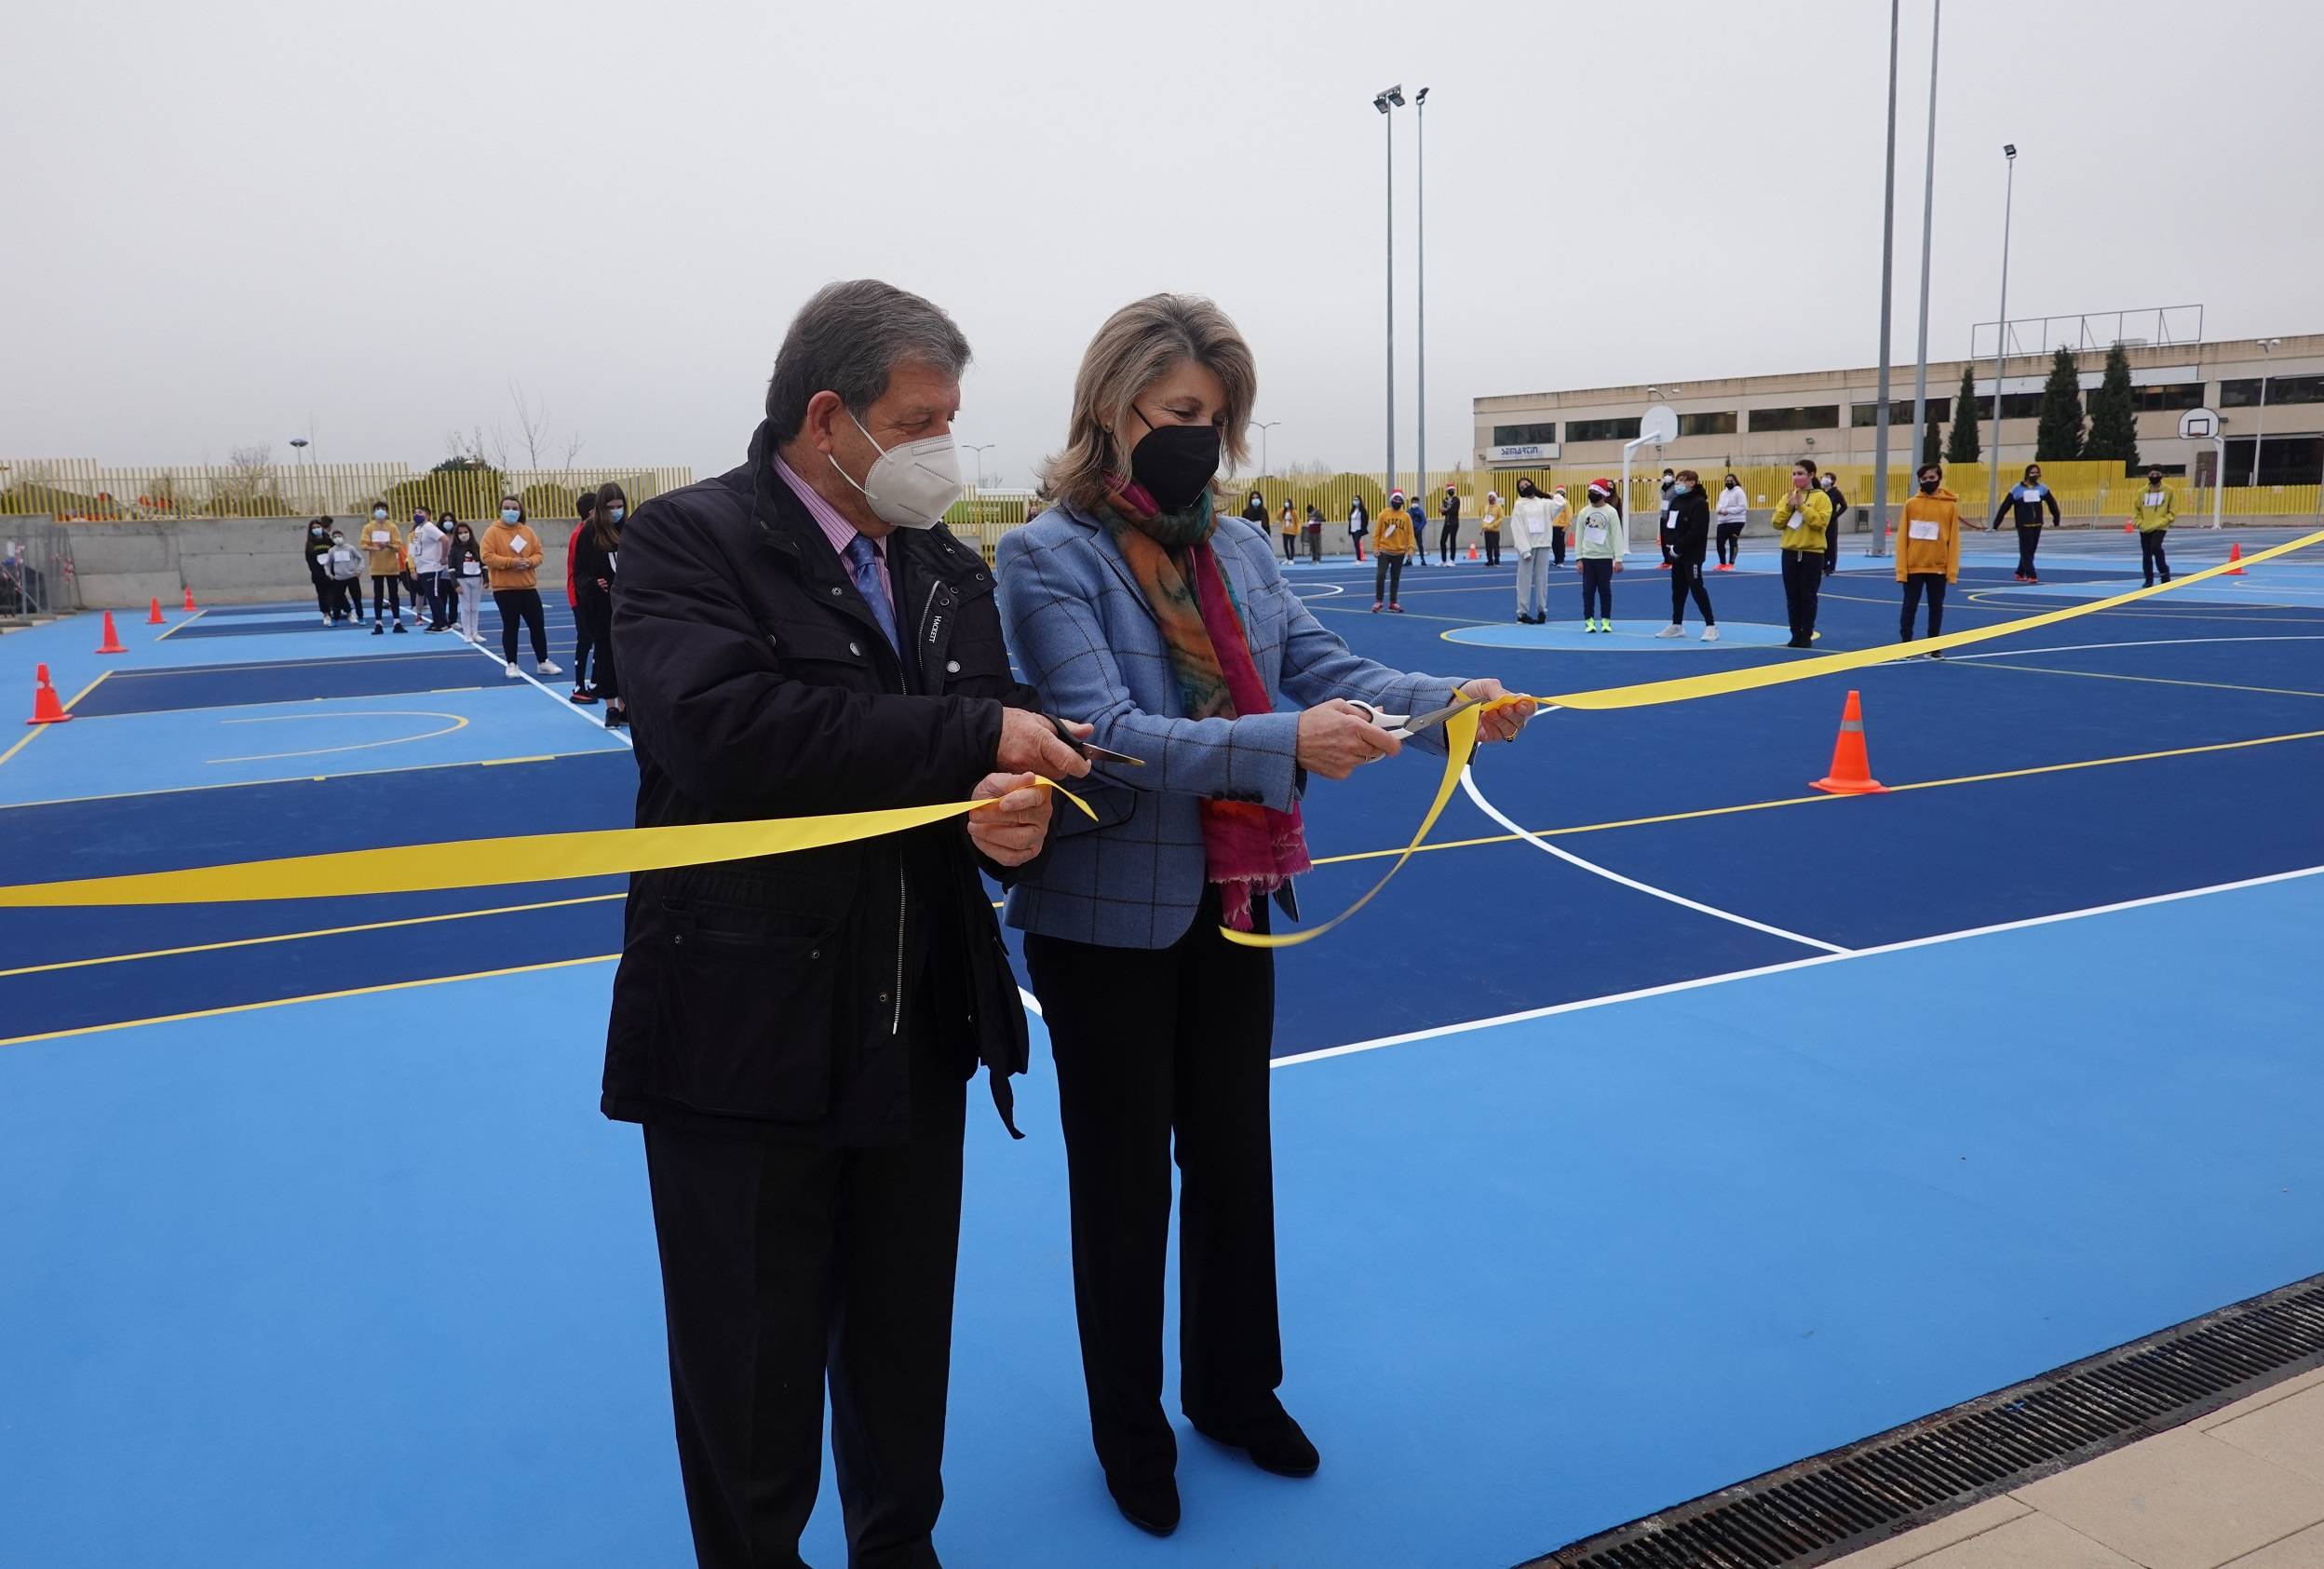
189,597
1851,767
46,708
113,639
1472,549
2129,527
153,617
2235,553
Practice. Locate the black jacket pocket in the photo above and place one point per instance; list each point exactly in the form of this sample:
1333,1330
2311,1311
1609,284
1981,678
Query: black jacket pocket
745,1007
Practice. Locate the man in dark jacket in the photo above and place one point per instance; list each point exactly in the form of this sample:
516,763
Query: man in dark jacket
797,638
1831,533
1686,532
1449,539
2026,499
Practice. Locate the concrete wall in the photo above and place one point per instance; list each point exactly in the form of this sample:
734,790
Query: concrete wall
224,561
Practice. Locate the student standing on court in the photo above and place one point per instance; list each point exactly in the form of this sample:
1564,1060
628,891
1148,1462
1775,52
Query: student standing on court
1315,534
1689,513
426,550
464,567
512,564
1602,540
800,636
598,549
1358,525
382,558
2026,499
1490,525
1929,552
1662,526
1449,539
1531,524
1394,543
1162,1028
344,564
1734,511
1256,509
1289,524
316,549
1802,518
583,634
1420,531
2158,510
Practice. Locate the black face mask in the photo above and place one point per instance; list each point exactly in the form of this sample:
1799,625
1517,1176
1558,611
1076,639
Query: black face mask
1175,463
1928,487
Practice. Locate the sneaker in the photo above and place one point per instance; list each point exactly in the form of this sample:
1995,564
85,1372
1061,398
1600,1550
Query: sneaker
431,627
546,667
377,629
400,629
1664,567
1814,637
1935,653
513,671
1375,607
1396,610
583,695
1672,630
327,621
615,717
2037,582
1711,634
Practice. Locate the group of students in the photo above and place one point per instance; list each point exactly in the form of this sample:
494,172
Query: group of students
446,567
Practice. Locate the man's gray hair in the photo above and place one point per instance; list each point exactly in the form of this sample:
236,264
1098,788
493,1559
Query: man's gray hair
847,340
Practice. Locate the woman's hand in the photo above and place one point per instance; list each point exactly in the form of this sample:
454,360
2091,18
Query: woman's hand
1502,724
1011,833
1336,740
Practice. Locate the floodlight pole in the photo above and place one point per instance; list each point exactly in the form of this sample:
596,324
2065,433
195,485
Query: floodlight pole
2001,333
1928,214
1887,270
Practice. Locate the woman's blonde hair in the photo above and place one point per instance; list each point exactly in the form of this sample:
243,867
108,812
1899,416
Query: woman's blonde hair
1137,344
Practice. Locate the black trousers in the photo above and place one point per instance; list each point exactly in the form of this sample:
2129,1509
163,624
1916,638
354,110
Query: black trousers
350,600
1387,575
1493,546
1803,585
1730,538
1556,546
387,590
1291,546
1597,586
326,593
787,1267
1152,1045
520,605
1934,582
594,616
584,643
1449,542
2151,558
1686,577
1315,542
2029,541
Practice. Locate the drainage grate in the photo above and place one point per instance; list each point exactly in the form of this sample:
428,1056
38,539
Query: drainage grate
1848,1500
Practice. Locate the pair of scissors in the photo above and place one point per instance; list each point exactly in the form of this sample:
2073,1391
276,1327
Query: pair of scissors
1095,753
1413,724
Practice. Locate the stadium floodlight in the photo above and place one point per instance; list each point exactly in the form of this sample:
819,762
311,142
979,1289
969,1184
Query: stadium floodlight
2000,331
1391,97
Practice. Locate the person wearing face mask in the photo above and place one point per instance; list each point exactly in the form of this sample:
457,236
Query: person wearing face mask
1289,524
464,568
2156,511
2026,499
1929,552
1315,534
316,549
1256,509
598,555
1733,511
1603,539
382,558
512,564
425,549
1420,531
1448,537
583,634
1359,525
1396,537
447,582
1161,1027
1537,528
801,636
1490,526
1839,505
344,563
1803,517
1689,515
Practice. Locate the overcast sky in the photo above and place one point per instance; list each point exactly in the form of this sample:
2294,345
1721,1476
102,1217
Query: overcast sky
232,216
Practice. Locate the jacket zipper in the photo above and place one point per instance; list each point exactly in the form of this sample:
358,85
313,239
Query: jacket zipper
903,891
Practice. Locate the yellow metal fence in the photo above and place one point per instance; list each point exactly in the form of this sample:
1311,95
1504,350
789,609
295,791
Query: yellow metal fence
78,490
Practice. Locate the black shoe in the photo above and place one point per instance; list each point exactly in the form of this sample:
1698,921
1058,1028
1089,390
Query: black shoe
1149,1502
1799,642
399,629
1274,1443
377,629
616,717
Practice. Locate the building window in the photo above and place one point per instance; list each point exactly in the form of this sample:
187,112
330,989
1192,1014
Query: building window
1524,435
2016,405
1815,416
1706,424
1862,416
2284,460
2280,390
1603,430
2164,399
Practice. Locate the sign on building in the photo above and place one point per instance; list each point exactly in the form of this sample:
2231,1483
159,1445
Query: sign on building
1527,452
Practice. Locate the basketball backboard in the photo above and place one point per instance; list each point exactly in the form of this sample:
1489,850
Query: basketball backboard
2199,424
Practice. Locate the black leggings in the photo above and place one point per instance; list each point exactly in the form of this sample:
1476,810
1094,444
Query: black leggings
1802,582
1291,546
2151,558
1448,542
326,593
1730,539
2029,541
584,639
1687,577
523,603
1934,583
1387,576
595,616
1493,546
386,589
1556,546
1597,586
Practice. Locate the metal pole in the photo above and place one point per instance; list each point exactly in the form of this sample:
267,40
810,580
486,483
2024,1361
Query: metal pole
1887,266
2001,334
1420,239
1390,126
1928,214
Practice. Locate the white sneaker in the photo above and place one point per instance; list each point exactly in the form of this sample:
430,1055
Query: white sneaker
513,671
1711,634
1672,630
547,669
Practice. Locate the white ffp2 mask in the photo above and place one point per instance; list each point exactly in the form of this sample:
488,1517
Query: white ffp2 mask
910,486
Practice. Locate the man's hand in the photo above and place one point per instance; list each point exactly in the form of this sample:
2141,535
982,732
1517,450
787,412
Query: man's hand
1029,745
1336,740
1497,724
1012,833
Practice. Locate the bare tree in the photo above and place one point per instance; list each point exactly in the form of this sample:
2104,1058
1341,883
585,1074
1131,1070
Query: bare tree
488,449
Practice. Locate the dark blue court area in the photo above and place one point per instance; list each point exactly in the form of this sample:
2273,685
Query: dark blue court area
1666,1121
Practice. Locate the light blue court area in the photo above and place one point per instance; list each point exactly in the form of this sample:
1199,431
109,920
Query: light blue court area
192,748
365,1281
1628,637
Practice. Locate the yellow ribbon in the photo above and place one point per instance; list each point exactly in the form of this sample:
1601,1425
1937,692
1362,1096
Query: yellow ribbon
610,852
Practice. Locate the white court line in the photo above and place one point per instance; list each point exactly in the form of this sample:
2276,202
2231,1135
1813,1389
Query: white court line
1336,589
1700,982
576,709
2145,643
1468,783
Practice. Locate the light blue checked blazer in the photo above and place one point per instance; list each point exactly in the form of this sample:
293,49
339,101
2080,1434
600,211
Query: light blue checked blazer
1080,631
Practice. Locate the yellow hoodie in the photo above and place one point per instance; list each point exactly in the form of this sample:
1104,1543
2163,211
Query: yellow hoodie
1930,538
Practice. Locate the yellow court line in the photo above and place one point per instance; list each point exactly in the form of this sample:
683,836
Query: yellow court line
310,997
187,622
24,740
90,687
295,778
2150,680
458,723
300,936
1818,799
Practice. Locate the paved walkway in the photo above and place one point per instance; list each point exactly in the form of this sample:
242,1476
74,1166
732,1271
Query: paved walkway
2243,1487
